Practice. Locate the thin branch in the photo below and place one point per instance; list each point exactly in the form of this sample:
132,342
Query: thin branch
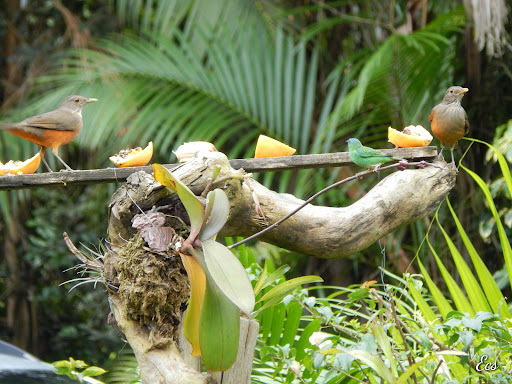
399,165
80,256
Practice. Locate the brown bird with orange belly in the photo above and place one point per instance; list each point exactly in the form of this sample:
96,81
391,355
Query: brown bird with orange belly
52,129
449,119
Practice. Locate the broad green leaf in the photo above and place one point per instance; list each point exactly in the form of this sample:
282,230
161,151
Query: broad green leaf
277,293
216,215
303,341
292,321
422,304
197,280
413,368
219,329
460,300
274,276
261,279
505,244
375,363
441,302
473,290
382,339
190,201
491,289
93,371
229,275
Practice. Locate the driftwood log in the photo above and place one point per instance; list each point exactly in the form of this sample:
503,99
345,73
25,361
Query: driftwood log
148,290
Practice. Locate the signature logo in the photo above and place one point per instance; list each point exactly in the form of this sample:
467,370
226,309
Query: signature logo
485,365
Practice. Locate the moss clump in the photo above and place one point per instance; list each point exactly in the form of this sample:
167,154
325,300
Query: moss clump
154,287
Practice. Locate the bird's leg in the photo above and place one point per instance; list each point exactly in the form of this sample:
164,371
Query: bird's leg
41,154
453,159
440,156
56,153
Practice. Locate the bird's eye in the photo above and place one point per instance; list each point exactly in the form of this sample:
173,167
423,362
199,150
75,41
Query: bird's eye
451,91
77,101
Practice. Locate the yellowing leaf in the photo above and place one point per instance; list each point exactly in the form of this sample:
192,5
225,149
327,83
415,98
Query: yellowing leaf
191,203
197,288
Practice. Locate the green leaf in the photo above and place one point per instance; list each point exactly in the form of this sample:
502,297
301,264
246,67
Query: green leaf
441,302
375,363
197,280
277,293
460,300
274,276
383,341
473,290
491,289
505,244
413,368
261,279
229,275
190,201
219,329
303,341
216,215
93,371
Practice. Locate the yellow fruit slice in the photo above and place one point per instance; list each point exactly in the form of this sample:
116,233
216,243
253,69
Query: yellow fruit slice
411,136
133,157
26,167
269,147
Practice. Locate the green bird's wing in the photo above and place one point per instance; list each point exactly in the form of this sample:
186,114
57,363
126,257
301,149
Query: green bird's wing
368,153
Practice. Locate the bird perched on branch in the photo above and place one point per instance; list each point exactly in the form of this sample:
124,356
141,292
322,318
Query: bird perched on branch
449,120
366,156
52,129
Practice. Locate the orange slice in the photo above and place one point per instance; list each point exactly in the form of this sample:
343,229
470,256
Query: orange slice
187,151
411,136
26,167
269,147
133,157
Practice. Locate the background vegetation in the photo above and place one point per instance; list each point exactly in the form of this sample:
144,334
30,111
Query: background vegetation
310,73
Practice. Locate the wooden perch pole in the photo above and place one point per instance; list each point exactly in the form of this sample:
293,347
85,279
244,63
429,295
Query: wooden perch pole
112,175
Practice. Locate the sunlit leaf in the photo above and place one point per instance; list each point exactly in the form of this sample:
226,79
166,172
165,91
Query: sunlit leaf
197,280
216,215
190,201
274,276
229,275
277,293
491,289
219,329
375,363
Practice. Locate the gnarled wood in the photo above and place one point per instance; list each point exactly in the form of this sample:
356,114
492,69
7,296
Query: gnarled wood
328,232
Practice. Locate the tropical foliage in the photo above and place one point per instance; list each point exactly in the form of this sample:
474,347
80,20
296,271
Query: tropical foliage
311,74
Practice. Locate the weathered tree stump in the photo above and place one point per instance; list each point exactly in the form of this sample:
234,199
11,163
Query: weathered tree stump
148,290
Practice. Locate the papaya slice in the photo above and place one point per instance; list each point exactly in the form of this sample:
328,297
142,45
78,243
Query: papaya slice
269,147
411,136
136,157
26,167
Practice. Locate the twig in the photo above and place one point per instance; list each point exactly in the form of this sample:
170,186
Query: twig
80,256
399,165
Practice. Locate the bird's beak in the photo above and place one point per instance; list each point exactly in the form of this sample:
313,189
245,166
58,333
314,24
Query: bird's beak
90,100
463,90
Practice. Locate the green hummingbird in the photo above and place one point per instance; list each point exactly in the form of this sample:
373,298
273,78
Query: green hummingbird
365,156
